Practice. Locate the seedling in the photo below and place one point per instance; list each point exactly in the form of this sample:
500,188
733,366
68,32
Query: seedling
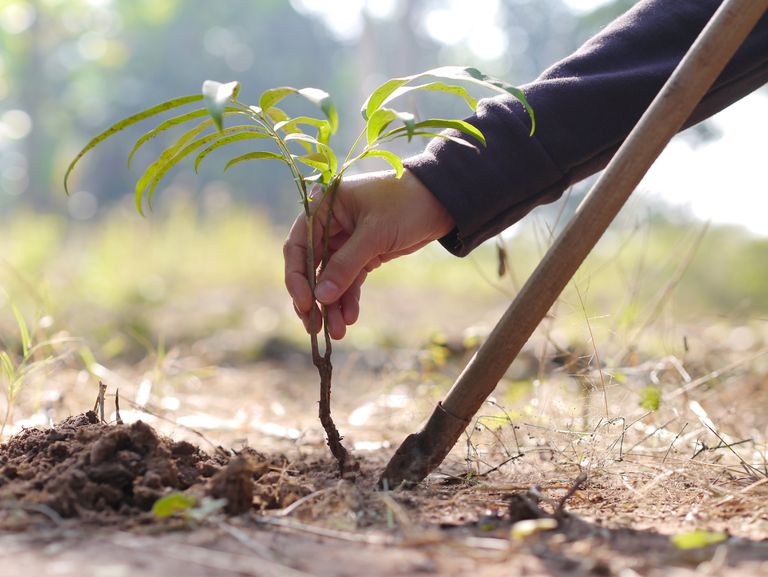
302,143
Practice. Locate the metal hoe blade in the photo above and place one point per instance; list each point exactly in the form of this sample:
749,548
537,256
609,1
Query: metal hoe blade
420,453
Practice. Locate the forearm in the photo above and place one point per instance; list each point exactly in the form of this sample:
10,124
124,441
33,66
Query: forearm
585,106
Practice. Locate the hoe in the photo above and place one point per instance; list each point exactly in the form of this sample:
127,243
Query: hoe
420,453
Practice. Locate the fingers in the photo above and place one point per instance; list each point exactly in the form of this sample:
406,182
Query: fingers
346,265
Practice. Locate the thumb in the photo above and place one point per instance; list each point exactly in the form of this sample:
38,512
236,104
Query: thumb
345,265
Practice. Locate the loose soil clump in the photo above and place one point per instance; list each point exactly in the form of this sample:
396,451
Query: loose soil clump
88,469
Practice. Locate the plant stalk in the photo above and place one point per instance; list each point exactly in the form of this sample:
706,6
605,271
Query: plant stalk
323,361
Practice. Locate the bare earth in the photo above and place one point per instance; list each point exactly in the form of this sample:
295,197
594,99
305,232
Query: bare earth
76,499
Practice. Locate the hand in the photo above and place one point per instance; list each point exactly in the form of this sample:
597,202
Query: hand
376,218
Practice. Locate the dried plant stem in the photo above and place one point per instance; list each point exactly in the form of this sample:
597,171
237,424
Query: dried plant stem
323,360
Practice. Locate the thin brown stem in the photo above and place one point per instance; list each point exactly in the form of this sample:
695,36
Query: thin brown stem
323,361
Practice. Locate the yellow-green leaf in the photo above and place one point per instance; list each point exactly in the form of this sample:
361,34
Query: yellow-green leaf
258,155
524,529
650,398
170,123
697,539
173,504
393,160
318,97
138,117
227,140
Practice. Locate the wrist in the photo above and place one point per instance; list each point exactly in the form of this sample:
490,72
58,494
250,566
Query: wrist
432,209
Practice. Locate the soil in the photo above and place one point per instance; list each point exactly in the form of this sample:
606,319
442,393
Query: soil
76,499
112,473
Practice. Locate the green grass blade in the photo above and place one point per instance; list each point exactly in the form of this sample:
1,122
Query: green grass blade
227,140
9,371
394,160
258,155
115,128
26,341
217,96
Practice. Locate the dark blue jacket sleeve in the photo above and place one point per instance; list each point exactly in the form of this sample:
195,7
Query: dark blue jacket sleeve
585,107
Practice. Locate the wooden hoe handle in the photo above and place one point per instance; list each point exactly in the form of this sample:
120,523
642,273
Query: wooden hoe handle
421,452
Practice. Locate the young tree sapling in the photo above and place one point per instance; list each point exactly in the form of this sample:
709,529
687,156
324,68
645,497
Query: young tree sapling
302,143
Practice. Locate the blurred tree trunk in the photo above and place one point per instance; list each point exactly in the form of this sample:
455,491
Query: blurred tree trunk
32,89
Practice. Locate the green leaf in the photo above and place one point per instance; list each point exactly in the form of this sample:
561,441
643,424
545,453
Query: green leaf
291,126
170,123
382,118
378,121
274,95
276,114
217,96
324,149
161,171
164,157
318,97
650,398
227,140
323,100
26,341
317,160
138,117
460,125
436,87
400,133
390,157
697,539
172,504
384,92
259,155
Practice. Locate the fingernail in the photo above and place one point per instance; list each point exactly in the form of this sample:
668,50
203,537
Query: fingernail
326,291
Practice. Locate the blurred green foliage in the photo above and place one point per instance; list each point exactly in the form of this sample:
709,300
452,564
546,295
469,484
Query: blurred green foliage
191,274
68,68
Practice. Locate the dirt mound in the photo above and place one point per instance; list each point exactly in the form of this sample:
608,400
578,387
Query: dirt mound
88,469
